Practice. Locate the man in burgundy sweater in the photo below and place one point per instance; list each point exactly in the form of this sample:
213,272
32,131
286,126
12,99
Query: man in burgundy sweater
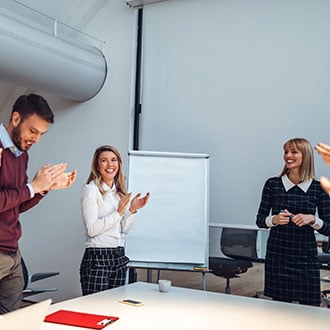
29,120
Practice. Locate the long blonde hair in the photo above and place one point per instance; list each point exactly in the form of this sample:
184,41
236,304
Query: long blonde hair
306,170
96,176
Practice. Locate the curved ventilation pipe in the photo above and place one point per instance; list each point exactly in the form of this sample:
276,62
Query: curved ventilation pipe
31,58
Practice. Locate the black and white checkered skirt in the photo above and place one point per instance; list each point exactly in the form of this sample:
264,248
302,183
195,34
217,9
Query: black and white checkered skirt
102,269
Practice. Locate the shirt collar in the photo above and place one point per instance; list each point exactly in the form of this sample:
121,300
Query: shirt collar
107,188
289,184
7,142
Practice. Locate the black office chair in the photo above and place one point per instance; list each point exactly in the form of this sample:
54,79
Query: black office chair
324,255
29,279
239,245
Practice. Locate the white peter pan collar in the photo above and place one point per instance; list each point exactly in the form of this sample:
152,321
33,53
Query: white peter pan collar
289,184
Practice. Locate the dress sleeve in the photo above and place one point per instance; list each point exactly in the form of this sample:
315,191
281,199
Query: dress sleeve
265,205
323,208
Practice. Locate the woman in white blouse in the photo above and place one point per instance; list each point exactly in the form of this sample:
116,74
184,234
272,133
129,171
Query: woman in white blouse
108,213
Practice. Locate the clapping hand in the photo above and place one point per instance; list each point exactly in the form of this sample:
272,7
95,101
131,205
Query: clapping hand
123,202
325,183
324,152
138,202
64,180
52,177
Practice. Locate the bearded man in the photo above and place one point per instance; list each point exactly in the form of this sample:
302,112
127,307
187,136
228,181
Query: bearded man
30,118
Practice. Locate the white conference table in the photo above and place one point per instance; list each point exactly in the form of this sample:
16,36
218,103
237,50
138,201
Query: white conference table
182,308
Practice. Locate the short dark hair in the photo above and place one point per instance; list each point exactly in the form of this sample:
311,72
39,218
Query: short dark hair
27,105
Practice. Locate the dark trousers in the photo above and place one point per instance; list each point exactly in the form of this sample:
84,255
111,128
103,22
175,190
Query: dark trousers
11,281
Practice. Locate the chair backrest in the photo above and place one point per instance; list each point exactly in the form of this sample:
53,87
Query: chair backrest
326,246
25,273
30,279
239,243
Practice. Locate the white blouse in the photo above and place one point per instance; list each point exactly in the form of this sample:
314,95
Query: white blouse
104,225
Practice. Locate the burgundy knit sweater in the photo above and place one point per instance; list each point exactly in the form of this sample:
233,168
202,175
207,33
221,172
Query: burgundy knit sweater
14,198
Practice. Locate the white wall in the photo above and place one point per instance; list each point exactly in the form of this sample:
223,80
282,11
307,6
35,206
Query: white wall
236,79
53,233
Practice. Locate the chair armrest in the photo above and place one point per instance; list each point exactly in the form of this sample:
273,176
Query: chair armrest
40,276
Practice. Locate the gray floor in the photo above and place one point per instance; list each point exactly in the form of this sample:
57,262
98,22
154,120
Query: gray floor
248,284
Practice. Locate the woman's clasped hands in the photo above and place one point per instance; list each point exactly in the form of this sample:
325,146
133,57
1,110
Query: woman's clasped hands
284,217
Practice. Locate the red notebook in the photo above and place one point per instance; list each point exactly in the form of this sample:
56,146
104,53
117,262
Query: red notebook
84,320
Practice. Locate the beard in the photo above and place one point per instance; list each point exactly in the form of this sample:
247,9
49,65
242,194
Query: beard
16,137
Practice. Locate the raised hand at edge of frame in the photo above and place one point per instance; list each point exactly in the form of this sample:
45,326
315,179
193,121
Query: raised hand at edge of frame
324,151
325,184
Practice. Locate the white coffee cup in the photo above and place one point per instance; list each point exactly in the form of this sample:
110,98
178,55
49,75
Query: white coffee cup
164,285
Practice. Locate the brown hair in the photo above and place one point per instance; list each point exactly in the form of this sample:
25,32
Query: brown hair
27,105
96,176
306,170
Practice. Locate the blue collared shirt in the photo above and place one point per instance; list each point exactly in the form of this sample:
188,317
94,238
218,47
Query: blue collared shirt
7,141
